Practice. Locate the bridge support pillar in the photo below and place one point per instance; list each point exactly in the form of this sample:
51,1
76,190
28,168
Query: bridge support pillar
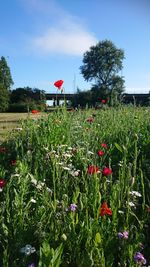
57,102
54,104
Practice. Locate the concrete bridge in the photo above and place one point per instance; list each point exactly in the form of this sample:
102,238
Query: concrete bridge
127,98
136,98
57,97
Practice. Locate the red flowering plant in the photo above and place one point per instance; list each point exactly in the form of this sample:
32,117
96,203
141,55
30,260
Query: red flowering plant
3,149
59,84
107,171
104,101
148,209
105,210
100,153
104,145
13,162
90,119
2,183
93,169
34,111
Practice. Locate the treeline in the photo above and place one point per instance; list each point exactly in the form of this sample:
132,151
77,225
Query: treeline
21,99
102,65
26,99
95,98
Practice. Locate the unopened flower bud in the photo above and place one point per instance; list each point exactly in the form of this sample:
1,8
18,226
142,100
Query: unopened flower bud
64,237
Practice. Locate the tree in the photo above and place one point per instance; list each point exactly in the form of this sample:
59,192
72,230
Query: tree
4,98
27,94
5,84
102,64
82,98
25,99
5,75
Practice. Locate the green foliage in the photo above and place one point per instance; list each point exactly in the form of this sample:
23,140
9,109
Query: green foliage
102,64
27,95
82,99
18,107
5,84
25,99
25,107
50,257
5,74
4,98
52,156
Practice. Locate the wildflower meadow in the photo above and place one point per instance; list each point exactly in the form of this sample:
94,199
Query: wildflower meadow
74,190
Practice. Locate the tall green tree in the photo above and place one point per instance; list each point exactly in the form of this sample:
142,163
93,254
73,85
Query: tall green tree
5,84
5,74
4,98
101,64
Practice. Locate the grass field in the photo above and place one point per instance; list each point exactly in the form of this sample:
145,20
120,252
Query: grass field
10,121
75,190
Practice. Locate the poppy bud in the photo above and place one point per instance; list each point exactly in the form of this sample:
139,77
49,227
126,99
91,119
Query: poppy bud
64,237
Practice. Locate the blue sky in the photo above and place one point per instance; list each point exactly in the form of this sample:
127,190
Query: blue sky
44,40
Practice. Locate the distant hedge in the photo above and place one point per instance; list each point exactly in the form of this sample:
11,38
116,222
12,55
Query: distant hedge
23,107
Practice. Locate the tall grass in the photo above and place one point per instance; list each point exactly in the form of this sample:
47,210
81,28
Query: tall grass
46,170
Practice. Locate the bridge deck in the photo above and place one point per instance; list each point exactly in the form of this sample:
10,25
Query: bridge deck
59,96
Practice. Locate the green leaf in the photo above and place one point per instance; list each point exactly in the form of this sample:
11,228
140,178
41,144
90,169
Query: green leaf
119,147
97,238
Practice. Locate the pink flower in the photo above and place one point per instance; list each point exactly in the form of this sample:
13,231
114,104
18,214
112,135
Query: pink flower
73,207
93,169
107,171
123,235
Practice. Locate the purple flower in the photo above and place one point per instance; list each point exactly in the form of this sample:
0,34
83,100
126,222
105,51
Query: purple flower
120,235
31,265
123,235
73,207
139,257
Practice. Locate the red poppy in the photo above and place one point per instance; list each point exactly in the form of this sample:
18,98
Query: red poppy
104,145
100,153
2,183
93,169
105,210
34,111
104,101
106,171
3,149
148,209
90,119
58,84
13,162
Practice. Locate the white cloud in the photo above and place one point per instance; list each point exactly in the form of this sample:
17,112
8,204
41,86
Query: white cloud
66,38
57,31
